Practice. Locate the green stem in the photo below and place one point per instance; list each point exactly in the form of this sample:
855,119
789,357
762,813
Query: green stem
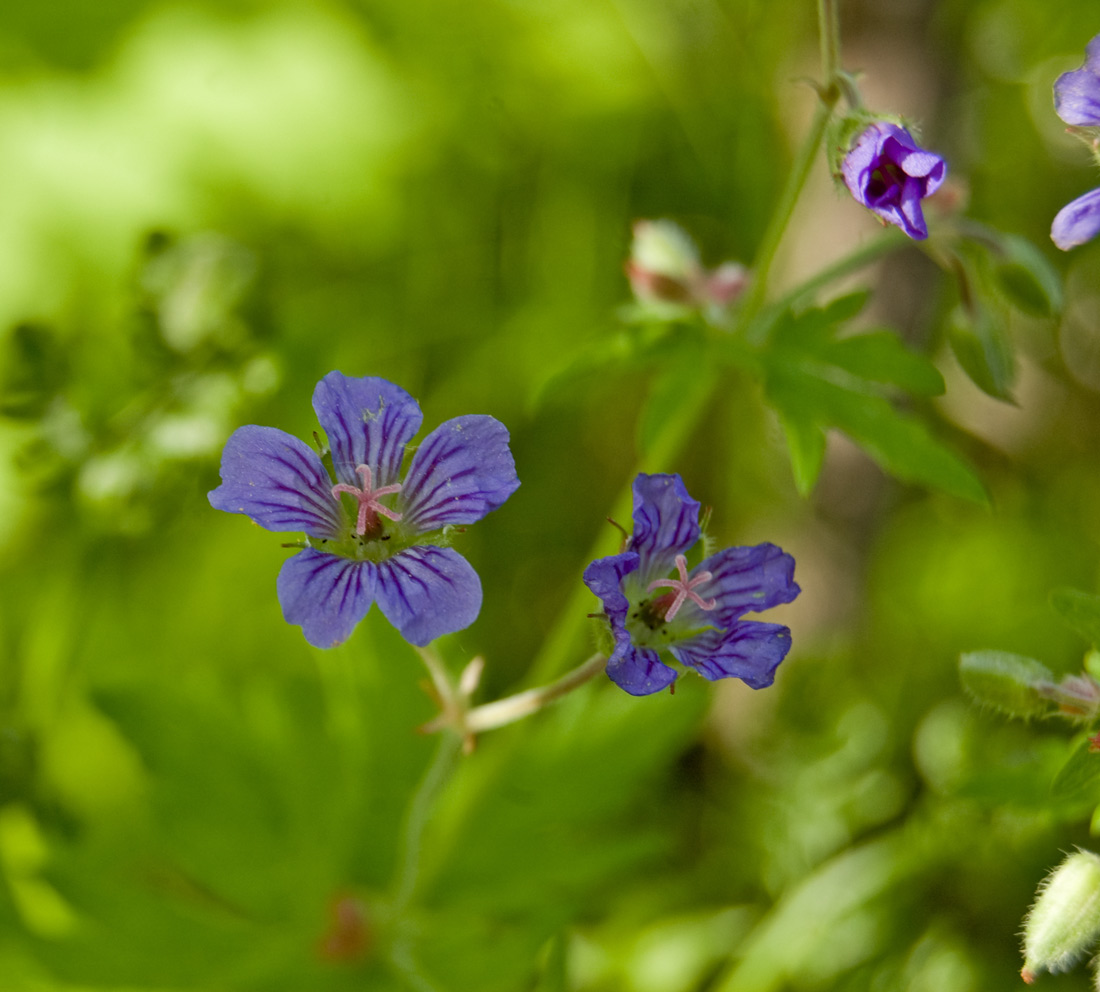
877,247
416,820
512,708
773,236
828,21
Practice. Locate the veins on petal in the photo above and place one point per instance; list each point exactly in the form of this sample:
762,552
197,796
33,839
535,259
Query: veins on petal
370,506
684,589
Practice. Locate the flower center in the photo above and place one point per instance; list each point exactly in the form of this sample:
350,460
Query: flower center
888,176
683,589
369,505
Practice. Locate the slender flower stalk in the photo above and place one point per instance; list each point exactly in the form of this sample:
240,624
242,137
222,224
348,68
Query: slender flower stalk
523,704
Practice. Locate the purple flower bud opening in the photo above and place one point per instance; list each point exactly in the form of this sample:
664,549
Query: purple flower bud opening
887,172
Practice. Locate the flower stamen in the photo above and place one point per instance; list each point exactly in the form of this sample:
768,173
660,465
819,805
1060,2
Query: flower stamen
369,505
684,589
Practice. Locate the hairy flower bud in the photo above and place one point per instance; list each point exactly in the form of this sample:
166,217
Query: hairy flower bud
1009,683
1064,923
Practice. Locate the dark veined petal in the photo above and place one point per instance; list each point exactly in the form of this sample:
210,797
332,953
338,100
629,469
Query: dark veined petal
426,592
605,576
367,421
460,472
278,481
1077,222
326,595
749,651
1077,93
666,523
744,580
638,670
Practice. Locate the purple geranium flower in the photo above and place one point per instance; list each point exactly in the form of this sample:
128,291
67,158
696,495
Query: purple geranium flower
390,548
1077,93
1077,102
889,174
696,615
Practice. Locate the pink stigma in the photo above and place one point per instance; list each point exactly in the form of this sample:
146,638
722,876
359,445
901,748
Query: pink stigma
684,588
369,507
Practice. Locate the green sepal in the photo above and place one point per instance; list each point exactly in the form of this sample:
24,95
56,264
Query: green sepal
1008,683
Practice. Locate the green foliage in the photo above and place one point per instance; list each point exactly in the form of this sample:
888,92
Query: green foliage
1081,610
818,379
212,206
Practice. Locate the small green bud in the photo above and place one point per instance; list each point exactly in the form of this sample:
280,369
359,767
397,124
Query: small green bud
1065,920
1009,683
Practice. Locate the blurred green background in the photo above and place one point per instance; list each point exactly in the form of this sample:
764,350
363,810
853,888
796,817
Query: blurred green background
206,207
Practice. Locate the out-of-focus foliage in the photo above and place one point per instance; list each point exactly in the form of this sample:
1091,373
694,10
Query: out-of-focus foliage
208,206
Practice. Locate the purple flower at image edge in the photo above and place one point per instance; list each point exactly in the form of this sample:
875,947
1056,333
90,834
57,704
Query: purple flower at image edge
1077,93
371,536
655,603
1077,222
1077,102
887,172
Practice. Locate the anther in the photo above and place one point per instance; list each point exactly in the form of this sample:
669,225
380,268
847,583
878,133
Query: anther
684,589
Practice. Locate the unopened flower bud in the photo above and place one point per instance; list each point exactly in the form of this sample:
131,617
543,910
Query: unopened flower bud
1064,923
667,276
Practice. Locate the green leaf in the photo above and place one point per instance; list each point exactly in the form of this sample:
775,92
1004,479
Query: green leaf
881,357
806,444
900,444
1081,610
1080,775
817,381
984,352
1027,279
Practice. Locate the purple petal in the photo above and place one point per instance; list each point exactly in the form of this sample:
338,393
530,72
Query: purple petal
743,580
368,421
426,592
1077,93
460,472
666,523
911,217
605,577
1077,222
278,481
749,651
638,670
325,594
916,161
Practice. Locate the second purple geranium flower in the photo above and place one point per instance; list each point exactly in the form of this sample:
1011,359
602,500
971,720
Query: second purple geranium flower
887,172
696,615
390,548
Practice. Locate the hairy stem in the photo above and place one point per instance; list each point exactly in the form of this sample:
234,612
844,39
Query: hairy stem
513,708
